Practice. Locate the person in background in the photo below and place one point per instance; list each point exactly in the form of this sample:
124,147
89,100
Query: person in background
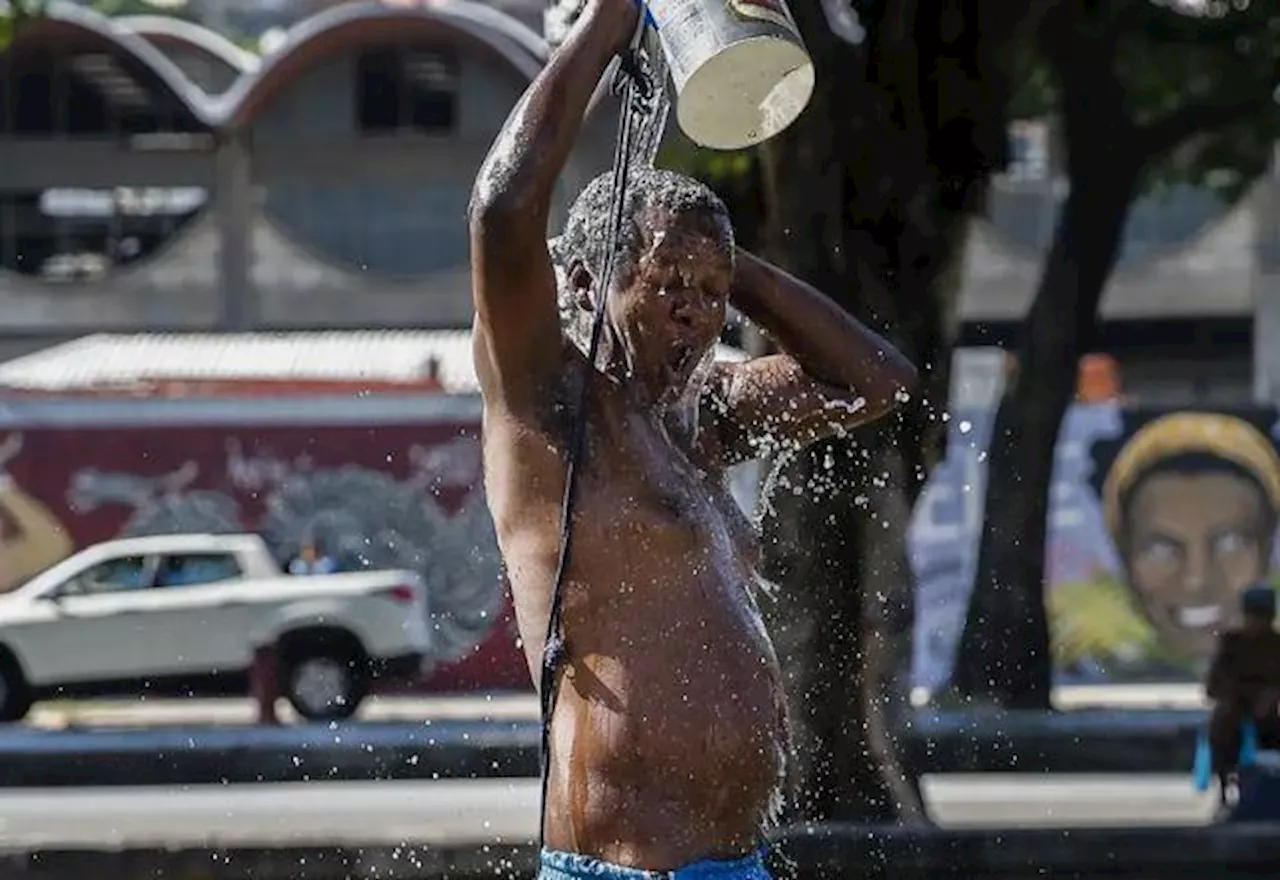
1244,682
312,559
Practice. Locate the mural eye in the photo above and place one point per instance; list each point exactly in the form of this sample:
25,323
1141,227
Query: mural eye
1161,551
1230,542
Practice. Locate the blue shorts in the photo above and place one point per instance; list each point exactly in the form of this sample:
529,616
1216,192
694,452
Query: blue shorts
558,865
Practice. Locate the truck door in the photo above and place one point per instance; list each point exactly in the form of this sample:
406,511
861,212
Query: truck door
199,621
94,634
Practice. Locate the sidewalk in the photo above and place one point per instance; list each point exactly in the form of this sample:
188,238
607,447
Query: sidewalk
494,707
495,811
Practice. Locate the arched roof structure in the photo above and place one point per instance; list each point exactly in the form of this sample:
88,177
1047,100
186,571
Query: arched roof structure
330,33
164,30
342,29
147,49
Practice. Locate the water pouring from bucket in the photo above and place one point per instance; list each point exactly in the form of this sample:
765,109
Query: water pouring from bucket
740,68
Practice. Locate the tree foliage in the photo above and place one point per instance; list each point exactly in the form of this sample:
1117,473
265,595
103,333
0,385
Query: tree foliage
1201,84
15,13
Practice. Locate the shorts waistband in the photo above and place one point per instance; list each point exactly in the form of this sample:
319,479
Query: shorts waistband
558,865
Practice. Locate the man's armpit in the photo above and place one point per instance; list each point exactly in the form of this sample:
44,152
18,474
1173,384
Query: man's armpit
761,409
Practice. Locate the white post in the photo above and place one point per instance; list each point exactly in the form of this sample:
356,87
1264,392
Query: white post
1265,280
234,205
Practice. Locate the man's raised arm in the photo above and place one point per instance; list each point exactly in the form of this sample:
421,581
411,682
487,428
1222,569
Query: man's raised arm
517,330
832,373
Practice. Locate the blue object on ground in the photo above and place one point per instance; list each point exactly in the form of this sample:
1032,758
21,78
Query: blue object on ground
1248,744
1202,769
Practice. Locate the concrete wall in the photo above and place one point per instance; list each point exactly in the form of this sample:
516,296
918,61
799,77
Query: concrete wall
308,221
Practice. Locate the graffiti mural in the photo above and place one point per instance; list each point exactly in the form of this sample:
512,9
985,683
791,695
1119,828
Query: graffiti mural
377,496
32,538
1157,521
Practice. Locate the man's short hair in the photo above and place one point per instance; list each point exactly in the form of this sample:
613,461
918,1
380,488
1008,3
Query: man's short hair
586,230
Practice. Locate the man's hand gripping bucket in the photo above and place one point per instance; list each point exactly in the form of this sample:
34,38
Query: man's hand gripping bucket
740,69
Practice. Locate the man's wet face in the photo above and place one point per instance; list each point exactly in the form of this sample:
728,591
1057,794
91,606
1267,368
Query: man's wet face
672,309
1194,542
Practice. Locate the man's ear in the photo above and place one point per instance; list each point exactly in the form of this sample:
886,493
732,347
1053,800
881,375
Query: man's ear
581,281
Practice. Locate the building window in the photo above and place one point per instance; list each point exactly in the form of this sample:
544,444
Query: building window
77,235
85,93
401,88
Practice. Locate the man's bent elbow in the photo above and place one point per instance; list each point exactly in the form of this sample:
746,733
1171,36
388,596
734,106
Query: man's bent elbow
904,375
896,380
892,385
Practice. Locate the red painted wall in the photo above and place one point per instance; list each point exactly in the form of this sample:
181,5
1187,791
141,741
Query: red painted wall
69,487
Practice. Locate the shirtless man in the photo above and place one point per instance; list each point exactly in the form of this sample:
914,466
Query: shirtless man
669,728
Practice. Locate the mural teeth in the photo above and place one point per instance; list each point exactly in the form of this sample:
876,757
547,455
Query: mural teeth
1199,616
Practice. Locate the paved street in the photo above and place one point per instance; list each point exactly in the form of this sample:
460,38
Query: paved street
227,712
505,810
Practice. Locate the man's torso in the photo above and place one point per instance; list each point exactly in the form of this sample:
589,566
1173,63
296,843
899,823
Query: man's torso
670,724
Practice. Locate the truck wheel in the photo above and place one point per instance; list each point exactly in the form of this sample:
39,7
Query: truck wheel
324,680
15,695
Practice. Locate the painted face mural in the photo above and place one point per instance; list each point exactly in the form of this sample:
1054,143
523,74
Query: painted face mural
1157,522
1188,503
1191,503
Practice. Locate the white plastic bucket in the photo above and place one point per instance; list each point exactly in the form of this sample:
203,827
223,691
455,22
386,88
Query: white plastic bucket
740,69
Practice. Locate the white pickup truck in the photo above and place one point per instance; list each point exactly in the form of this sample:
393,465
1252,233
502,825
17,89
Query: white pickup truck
184,614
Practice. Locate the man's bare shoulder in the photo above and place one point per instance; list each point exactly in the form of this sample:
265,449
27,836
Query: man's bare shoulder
542,405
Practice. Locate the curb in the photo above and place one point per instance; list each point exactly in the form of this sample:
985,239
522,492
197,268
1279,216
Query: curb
227,755
1096,741
813,853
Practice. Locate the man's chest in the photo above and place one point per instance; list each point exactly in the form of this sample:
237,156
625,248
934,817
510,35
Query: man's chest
648,490
638,482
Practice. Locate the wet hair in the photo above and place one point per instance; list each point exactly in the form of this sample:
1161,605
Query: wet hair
1197,464
648,189
586,231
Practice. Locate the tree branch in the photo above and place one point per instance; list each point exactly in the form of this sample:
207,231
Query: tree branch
1167,134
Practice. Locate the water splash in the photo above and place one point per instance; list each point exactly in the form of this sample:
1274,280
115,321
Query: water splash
651,111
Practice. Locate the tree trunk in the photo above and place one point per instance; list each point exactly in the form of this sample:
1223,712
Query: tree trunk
1004,654
867,196
814,546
